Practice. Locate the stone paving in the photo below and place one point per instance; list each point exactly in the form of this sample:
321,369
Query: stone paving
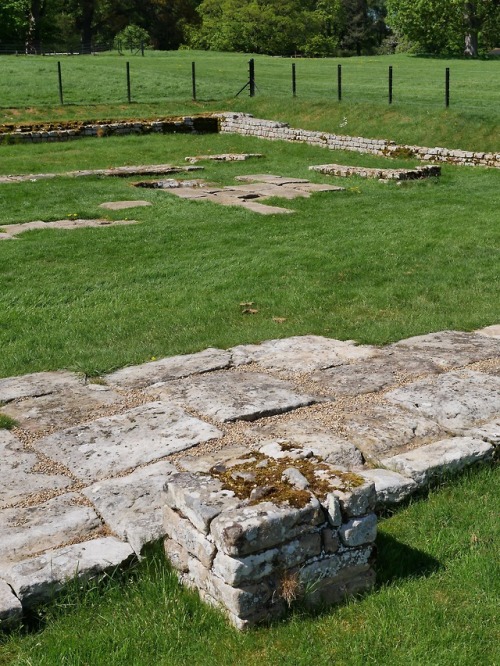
10,231
83,470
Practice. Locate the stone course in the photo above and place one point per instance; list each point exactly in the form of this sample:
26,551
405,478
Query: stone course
382,174
94,472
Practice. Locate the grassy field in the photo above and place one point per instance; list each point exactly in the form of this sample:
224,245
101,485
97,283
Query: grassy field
95,87
436,603
376,263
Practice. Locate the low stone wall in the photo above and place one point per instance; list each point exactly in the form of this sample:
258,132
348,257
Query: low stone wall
38,133
249,550
382,174
241,123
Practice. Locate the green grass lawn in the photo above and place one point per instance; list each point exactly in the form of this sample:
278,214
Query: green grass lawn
95,87
376,263
436,603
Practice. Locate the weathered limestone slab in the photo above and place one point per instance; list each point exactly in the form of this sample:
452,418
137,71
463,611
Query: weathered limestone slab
490,331
173,367
36,385
369,375
19,481
310,436
253,528
302,353
37,579
183,532
30,530
359,531
236,396
444,457
124,205
391,487
457,401
379,431
223,157
115,444
344,563
490,432
451,349
228,457
268,178
354,503
199,498
11,610
13,230
131,505
63,408
340,170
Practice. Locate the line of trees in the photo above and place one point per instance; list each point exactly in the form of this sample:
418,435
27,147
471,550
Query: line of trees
276,27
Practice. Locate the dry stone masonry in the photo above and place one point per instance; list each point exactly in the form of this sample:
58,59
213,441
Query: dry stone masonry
382,174
261,466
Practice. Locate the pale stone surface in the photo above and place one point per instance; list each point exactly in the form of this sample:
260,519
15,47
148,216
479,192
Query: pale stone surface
123,205
490,432
227,457
268,178
19,481
490,331
131,505
223,157
63,408
457,401
451,349
355,502
36,580
30,530
253,528
443,457
310,436
382,430
391,487
199,498
173,367
236,396
13,230
37,384
346,562
11,610
186,535
359,531
303,353
114,444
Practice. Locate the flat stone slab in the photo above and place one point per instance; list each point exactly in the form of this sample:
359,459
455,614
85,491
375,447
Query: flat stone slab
229,456
303,353
21,474
490,331
236,396
310,436
37,384
390,487
384,369
381,430
440,458
111,445
27,531
223,157
124,205
122,171
131,505
269,178
61,409
13,230
173,367
456,400
38,579
11,610
490,432
450,349
342,171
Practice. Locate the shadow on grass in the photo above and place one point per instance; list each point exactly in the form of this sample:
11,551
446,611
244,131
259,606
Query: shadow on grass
397,561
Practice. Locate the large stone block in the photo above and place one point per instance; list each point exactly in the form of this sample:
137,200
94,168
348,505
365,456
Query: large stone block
36,580
359,531
186,535
356,502
390,487
115,444
253,528
346,563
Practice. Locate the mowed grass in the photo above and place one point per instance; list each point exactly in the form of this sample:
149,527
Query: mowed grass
374,263
95,87
436,602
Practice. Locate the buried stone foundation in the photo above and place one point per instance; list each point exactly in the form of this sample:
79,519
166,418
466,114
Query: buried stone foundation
253,552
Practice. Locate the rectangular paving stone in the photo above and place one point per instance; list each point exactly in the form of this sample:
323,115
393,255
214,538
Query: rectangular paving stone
457,401
62,408
19,481
236,396
268,178
131,505
38,579
451,349
444,457
391,487
30,530
173,367
11,610
114,444
36,384
490,432
382,430
302,353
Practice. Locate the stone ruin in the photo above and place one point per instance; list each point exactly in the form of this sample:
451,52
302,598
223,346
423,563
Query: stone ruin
265,528
342,171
